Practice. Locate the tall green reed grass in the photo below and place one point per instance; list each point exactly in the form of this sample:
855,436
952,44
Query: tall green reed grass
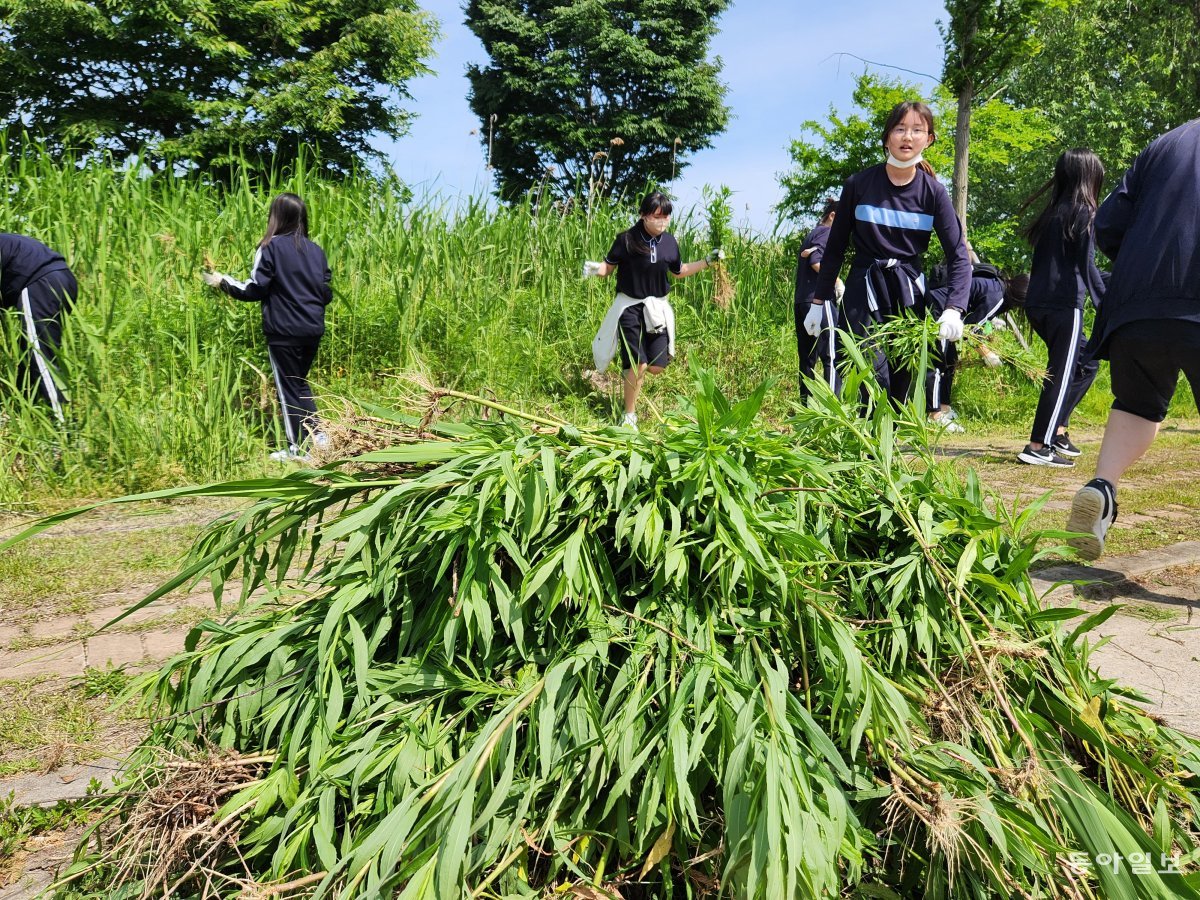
170,381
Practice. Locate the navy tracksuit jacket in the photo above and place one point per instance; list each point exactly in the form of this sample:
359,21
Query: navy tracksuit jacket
35,281
292,281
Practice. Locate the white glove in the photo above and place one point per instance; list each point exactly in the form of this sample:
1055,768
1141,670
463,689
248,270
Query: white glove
213,279
814,320
839,290
992,359
715,256
591,269
950,325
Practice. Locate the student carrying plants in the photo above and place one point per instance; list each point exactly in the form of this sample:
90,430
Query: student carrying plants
290,278
891,210
640,321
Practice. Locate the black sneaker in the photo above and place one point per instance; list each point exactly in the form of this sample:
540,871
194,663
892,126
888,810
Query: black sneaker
1064,447
1093,510
1047,456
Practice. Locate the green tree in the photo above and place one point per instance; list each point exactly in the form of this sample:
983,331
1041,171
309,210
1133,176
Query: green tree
197,79
1008,145
607,95
984,41
1114,74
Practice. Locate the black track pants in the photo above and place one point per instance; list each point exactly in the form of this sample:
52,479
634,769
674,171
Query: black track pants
939,379
823,347
290,364
894,376
41,307
1067,379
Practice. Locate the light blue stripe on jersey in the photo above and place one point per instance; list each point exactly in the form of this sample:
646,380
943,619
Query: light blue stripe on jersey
896,218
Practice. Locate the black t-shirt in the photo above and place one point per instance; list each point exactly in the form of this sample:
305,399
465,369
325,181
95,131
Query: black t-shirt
642,275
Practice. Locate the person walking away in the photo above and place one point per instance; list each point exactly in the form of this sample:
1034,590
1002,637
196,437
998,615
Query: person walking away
890,211
37,283
640,322
1062,275
1149,325
291,280
810,348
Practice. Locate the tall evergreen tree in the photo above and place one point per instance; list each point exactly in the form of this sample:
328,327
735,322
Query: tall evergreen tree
194,79
601,95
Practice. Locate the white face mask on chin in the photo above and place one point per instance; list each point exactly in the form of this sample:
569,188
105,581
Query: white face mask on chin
892,161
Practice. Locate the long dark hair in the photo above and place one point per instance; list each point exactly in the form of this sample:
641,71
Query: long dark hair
1074,195
1015,289
288,215
902,109
654,202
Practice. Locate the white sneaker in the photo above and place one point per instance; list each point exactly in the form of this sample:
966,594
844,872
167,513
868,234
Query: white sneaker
1093,510
291,454
630,421
948,422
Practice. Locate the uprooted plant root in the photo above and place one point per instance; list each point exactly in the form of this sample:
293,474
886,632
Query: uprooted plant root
171,823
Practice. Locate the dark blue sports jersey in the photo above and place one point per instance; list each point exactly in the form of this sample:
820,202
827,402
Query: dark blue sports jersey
1150,227
891,222
291,279
806,278
642,275
23,261
1063,271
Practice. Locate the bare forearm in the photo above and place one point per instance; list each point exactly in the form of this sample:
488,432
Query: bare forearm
692,268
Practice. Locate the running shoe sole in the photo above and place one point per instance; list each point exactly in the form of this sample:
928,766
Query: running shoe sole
1087,511
1068,452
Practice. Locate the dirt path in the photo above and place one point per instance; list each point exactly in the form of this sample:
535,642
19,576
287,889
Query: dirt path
1159,497
1152,643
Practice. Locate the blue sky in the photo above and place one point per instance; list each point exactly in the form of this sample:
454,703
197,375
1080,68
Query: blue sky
780,67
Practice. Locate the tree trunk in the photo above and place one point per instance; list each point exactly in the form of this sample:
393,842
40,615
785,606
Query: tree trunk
962,149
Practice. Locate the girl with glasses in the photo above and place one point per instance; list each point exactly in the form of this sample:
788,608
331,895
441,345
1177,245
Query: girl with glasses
890,211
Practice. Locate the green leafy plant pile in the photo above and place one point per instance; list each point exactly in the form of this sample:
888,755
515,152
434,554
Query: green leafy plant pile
715,659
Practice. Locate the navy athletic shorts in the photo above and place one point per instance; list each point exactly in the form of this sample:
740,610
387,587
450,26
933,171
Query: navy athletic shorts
652,348
1145,359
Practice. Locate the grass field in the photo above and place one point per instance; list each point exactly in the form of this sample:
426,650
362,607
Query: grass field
169,380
